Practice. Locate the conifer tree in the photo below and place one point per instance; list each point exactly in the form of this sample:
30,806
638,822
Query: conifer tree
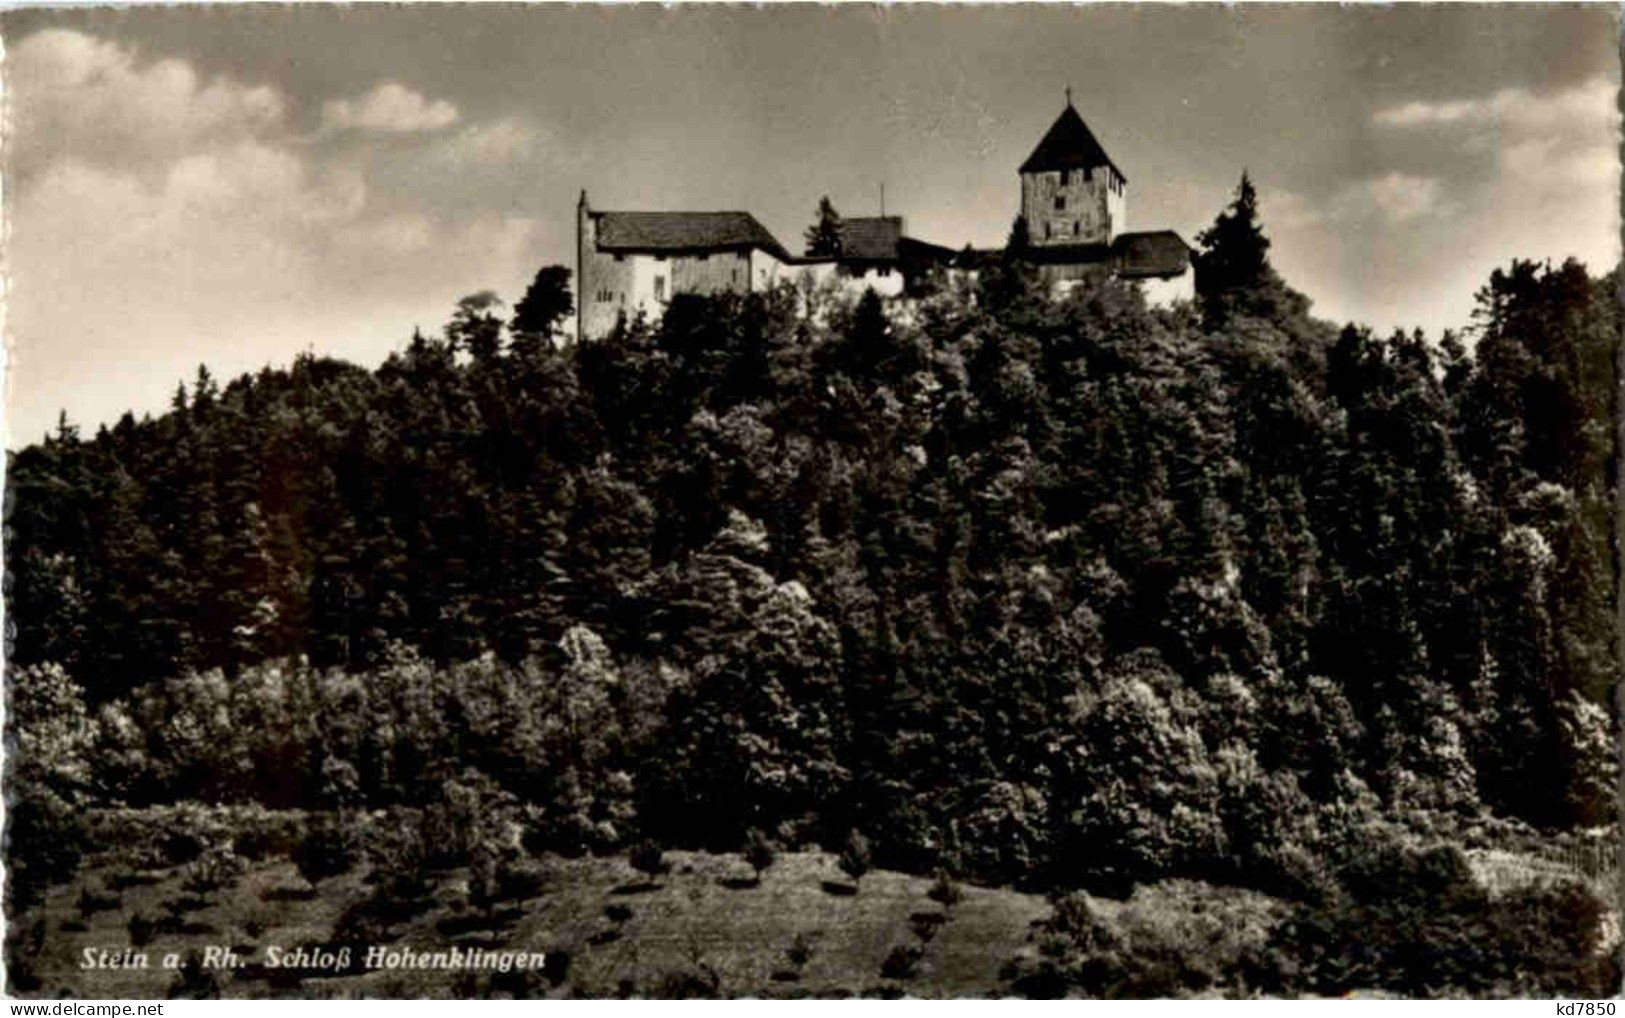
824,235
539,313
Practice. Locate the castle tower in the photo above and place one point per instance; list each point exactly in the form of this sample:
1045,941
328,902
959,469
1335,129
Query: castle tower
586,243
1071,192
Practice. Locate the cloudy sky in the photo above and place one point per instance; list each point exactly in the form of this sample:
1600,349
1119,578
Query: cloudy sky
234,186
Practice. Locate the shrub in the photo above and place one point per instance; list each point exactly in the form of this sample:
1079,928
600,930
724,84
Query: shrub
328,850
482,879
263,835
759,852
141,928
179,847
23,946
647,858
1414,921
518,880
945,890
1080,945
926,924
800,951
699,983
44,841
176,911
1076,953
194,982
362,924
91,901
216,868
1004,831
400,863
556,966
902,963
471,810
856,856
1142,796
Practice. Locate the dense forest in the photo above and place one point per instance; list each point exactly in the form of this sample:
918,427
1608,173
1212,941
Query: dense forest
1054,591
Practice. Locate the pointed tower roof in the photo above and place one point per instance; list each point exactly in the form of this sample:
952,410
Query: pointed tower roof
1068,145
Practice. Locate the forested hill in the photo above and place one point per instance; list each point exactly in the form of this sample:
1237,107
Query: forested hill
988,573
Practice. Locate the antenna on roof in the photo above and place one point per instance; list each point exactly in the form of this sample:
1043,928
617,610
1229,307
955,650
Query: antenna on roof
1069,95
883,199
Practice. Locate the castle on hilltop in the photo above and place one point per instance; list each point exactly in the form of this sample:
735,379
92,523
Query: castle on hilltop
1074,202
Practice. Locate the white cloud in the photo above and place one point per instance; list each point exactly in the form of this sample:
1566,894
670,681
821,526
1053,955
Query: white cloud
1544,162
1590,105
166,220
501,141
396,235
1288,210
1541,145
389,107
74,95
1538,171
1472,182
1389,200
1397,197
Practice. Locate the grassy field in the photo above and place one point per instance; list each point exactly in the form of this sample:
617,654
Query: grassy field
706,926
622,933
705,922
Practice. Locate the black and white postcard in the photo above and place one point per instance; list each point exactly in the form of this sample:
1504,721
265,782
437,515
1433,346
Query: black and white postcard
993,501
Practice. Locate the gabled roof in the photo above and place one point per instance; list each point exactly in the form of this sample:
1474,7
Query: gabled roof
924,250
871,238
881,239
671,232
1153,253
1146,255
1069,145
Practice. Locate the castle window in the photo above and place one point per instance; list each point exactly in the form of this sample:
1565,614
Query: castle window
660,288
1049,230
1060,203
620,258
1066,177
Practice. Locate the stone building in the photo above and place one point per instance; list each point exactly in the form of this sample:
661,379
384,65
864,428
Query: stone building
631,262
1071,191
1073,197
1075,203
878,254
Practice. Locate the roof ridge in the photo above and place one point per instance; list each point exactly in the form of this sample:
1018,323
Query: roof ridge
673,212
